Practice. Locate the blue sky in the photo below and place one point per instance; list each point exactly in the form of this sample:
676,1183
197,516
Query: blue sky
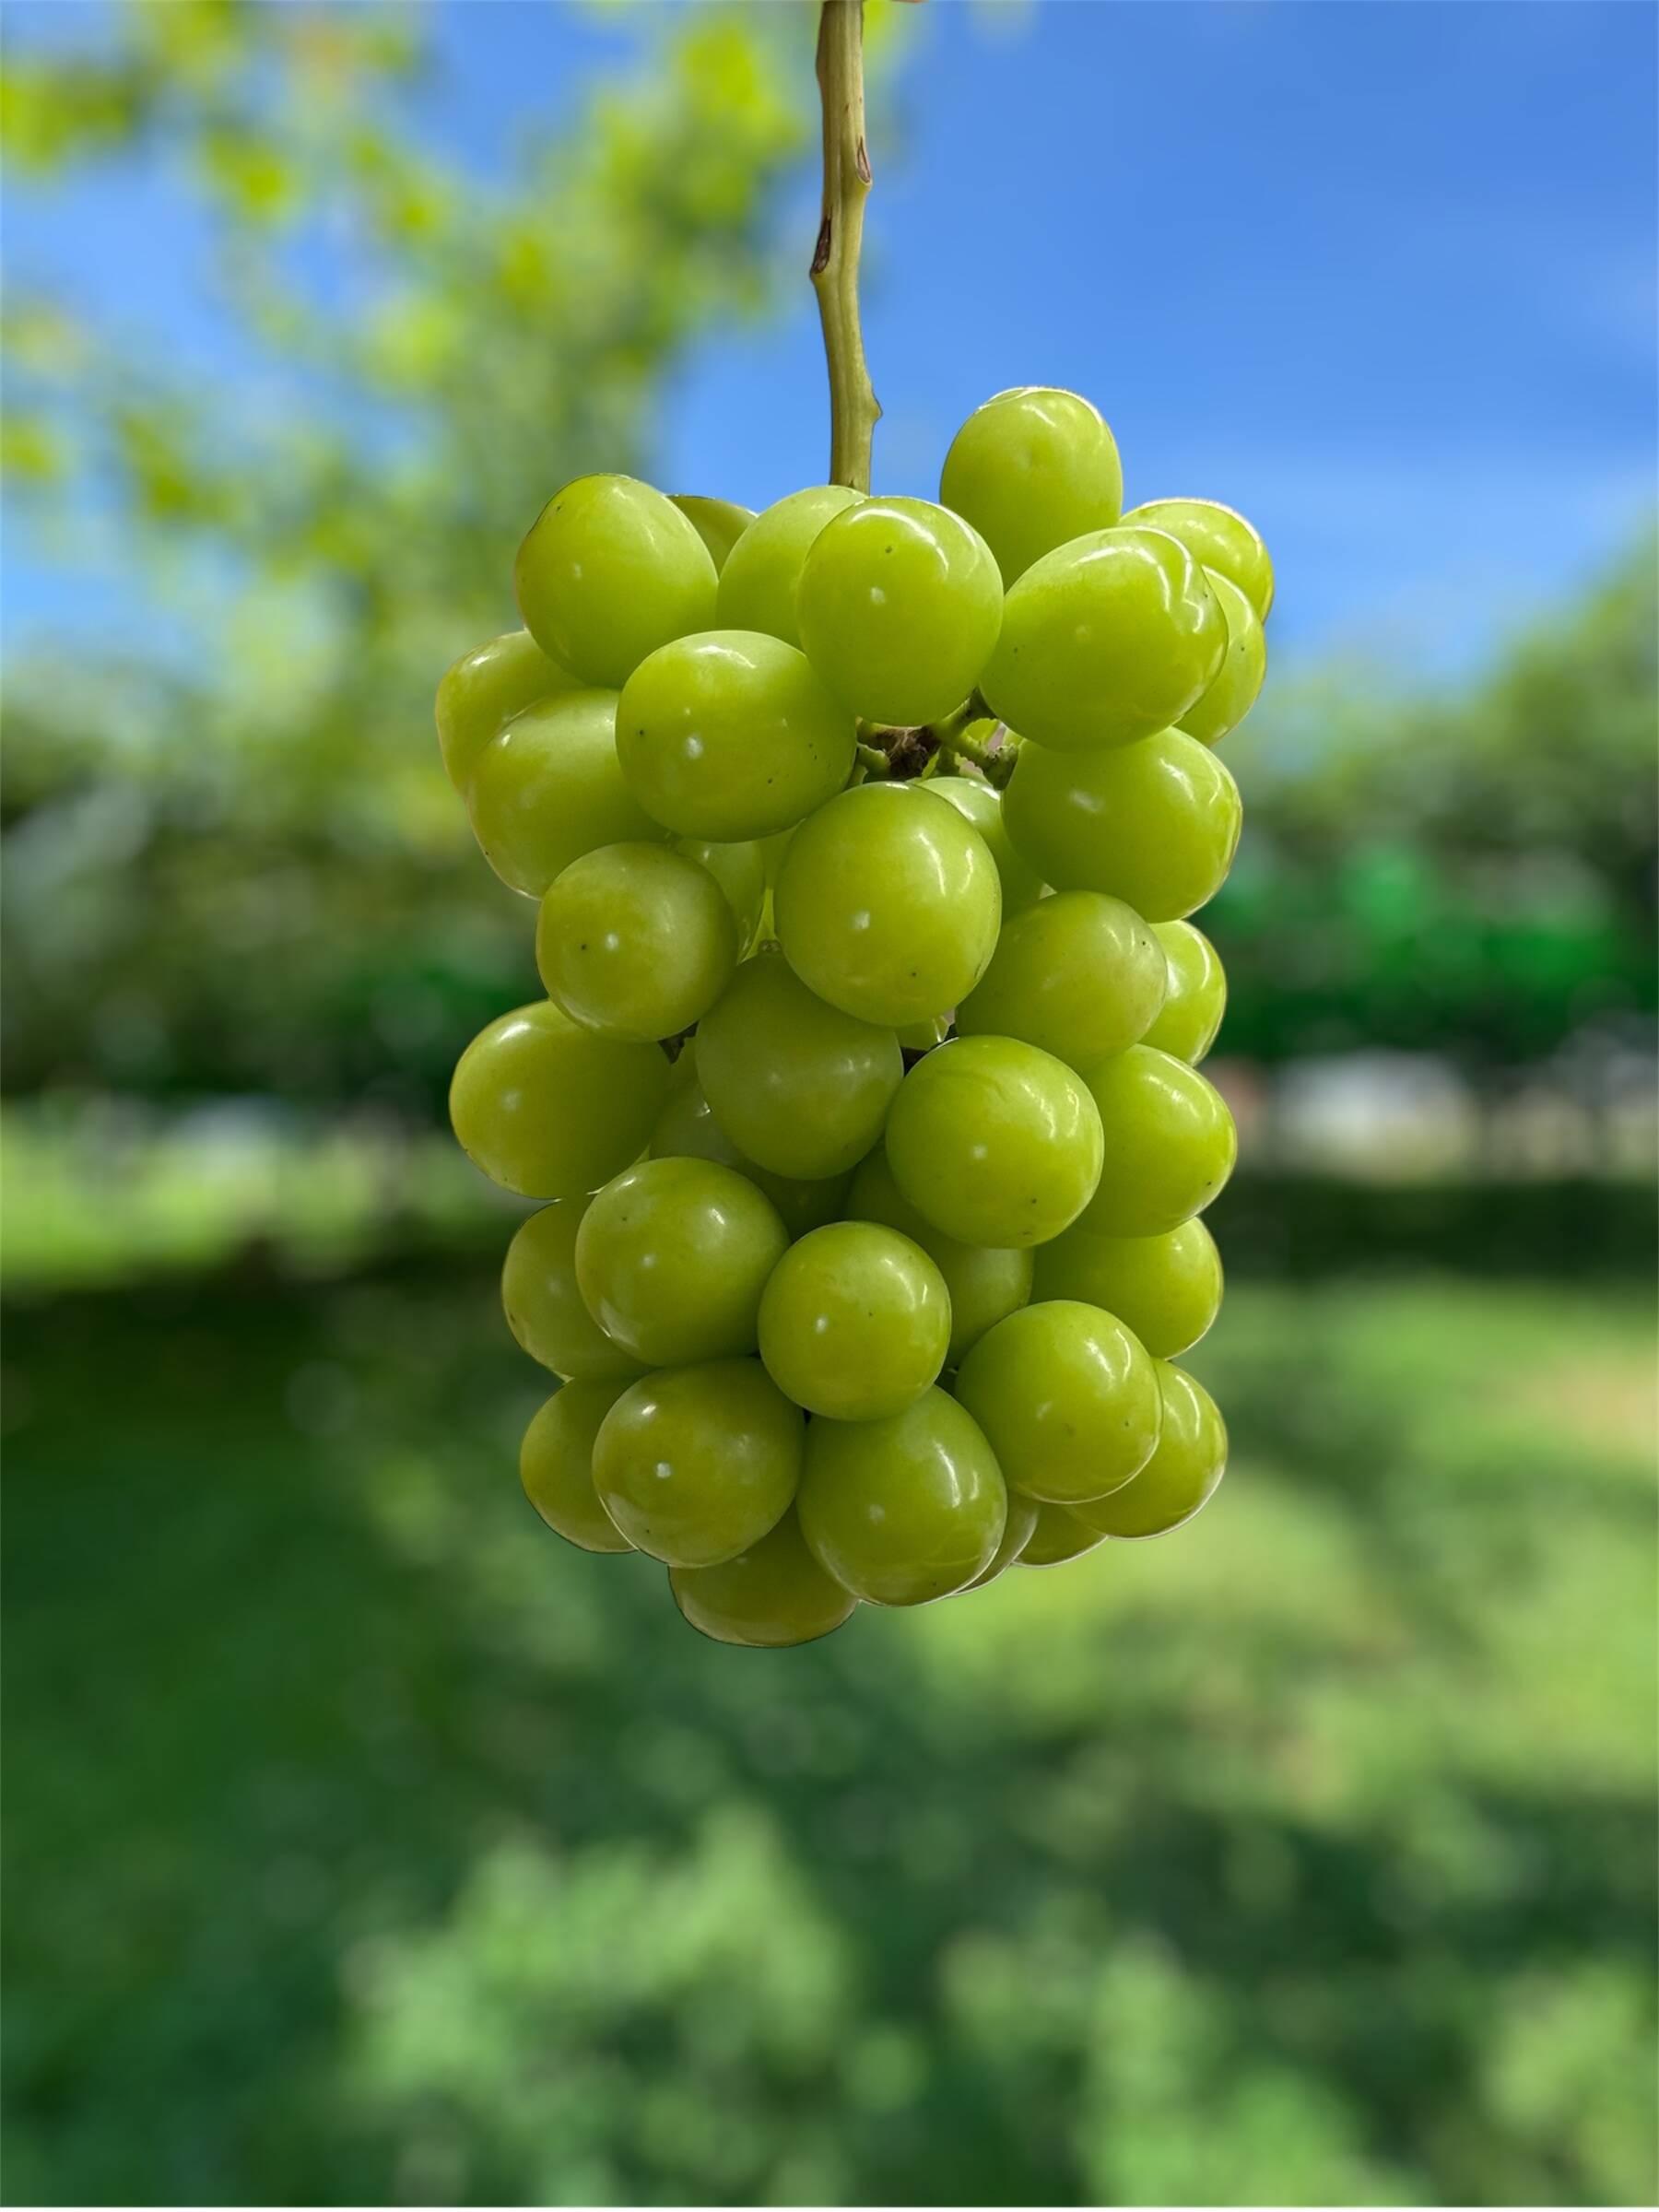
1381,274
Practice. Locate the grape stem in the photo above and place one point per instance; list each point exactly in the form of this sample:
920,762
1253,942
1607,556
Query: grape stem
898,753
854,407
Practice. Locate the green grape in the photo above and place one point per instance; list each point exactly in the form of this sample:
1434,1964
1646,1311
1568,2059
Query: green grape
758,588
549,788
905,1510
1233,692
686,1130
609,571
995,1142
1167,1288
772,850
798,1086
719,522
772,1595
1059,1536
1068,1397
1171,1143
1018,1530
672,1257
729,736
986,1282
1080,975
740,871
1181,1475
635,941
695,1465
1197,996
854,1322
1105,641
1030,469
485,690
899,603
888,904
544,1307
982,803
556,1464
1155,824
922,1036
1219,538
549,1110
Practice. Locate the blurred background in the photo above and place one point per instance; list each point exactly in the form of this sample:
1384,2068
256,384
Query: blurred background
366,1844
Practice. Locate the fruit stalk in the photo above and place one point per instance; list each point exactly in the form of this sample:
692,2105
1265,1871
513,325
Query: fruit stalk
854,407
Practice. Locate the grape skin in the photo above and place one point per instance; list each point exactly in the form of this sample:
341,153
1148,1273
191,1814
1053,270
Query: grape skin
484,689
549,787
548,1110
773,1595
543,1304
695,1465
635,941
1068,1398
1031,469
556,1466
609,571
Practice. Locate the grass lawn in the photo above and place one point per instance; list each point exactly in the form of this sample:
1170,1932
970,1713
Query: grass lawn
364,1843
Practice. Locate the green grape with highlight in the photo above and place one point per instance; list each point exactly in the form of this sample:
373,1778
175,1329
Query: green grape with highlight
543,1304
1218,537
609,571
1167,1288
719,522
1171,1143
672,1257
740,871
1241,674
1105,641
1181,1476
550,1111
995,1142
905,1510
484,690
1068,1398
757,587
729,734
556,1466
635,941
771,1596
1155,824
984,1281
854,1322
1030,469
695,1465
1058,1537
1018,1531
686,1129
1191,1014
1080,975
550,787
982,803
888,904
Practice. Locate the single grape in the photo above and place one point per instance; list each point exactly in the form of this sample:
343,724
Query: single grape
686,1130
1242,673
1059,1536
1219,538
549,788
549,1110
1105,641
772,1595
1030,469
609,571
758,588
719,522
544,1307
1080,975
740,871
695,1465
1197,995
1018,1531
903,1510
798,1086
1181,1475
1167,1288
1068,1397
1171,1143
854,1322
484,690
672,1257
1155,824
556,1464
635,941
888,904
982,803
899,603
995,1142
729,734
984,1281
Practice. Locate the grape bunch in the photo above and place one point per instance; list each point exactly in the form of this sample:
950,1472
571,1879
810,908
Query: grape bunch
863,1098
